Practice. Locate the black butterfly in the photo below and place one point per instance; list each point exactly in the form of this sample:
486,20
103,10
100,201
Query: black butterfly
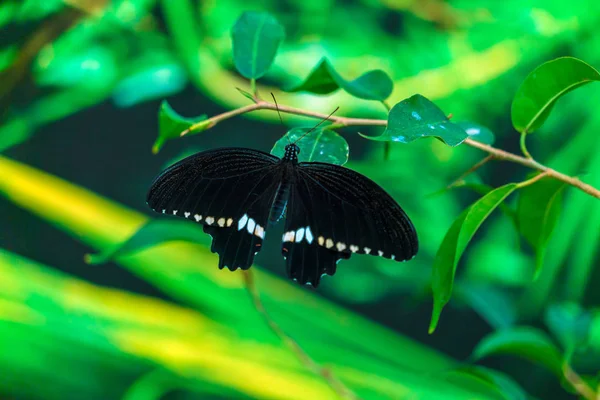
331,211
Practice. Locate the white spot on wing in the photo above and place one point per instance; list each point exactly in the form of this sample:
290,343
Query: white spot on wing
309,236
393,257
329,243
289,236
341,246
259,231
229,222
221,222
353,248
242,222
251,225
174,212
321,240
197,217
299,235
187,214
164,211
367,250
209,220
380,253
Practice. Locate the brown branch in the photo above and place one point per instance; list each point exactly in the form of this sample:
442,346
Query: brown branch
341,389
346,121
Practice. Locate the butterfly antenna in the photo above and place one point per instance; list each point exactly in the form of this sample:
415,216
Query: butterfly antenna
317,125
278,113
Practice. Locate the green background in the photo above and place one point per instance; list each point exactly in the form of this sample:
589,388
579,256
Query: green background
81,82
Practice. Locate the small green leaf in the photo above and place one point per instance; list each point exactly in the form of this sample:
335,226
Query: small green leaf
322,145
151,234
509,389
324,79
538,209
256,38
543,86
458,236
569,323
529,343
245,94
478,132
171,124
417,117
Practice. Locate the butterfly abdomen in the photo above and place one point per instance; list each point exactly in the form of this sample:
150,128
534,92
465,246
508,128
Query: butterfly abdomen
279,202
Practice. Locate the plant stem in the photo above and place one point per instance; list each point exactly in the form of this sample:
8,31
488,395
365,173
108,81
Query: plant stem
341,389
532,180
579,384
523,145
474,168
339,122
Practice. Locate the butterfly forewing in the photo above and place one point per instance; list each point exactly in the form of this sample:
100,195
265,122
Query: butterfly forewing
334,212
229,191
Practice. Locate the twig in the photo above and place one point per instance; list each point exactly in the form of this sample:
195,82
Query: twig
579,384
341,389
345,121
474,168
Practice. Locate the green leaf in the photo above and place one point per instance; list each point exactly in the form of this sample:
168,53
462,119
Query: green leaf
569,323
529,343
490,302
151,234
538,209
256,38
504,384
322,145
324,79
171,124
458,236
543,86
417,117
478,132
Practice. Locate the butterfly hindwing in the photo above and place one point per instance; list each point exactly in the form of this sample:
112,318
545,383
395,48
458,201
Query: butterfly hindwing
229,191
345,213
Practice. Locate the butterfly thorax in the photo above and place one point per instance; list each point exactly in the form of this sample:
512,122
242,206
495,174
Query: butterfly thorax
291,154
288,179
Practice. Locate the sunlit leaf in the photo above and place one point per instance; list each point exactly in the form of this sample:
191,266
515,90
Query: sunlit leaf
569,323
538,209
256,38
417,117
322,145
524,342
456,240
324,79
477,132
543,86
151,234
153,82
171,124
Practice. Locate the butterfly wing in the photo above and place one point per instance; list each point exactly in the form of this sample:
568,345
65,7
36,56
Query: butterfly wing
229,191
334,212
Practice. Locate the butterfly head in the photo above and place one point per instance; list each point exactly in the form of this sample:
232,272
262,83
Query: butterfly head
291,152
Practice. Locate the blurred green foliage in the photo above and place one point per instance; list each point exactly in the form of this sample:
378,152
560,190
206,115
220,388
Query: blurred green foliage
63,335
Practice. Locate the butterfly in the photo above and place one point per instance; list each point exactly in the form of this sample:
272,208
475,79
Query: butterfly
330,211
